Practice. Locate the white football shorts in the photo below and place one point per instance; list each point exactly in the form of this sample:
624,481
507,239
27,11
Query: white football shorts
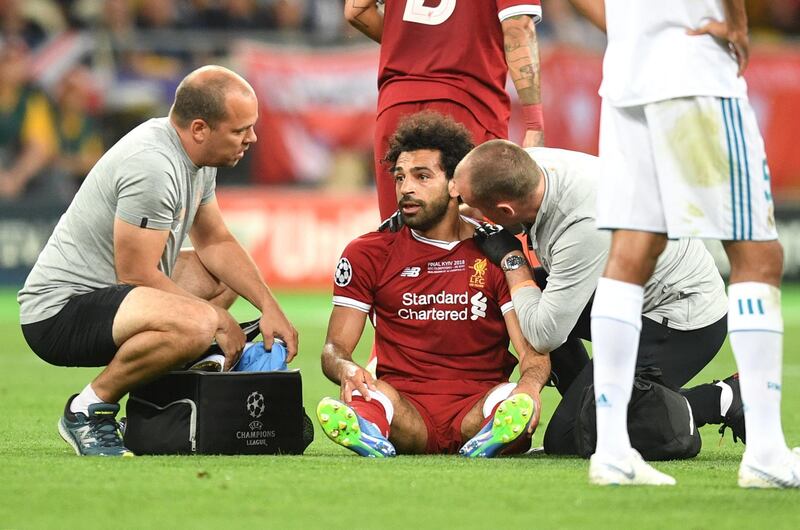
686,167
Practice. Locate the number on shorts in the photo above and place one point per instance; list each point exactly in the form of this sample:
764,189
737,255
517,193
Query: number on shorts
417,11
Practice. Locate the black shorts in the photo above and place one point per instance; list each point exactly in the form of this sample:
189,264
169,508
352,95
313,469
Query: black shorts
81,333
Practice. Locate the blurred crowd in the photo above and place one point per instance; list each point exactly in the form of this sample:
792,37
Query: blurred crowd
76,74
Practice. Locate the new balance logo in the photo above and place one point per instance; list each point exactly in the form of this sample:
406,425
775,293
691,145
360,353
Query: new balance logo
410,272
603,401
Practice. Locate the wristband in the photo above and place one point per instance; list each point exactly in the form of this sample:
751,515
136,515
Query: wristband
533,117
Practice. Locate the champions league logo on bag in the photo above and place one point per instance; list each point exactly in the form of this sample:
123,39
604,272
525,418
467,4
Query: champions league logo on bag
255,406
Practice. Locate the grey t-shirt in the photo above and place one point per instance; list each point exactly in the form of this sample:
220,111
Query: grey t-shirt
685,292
145,179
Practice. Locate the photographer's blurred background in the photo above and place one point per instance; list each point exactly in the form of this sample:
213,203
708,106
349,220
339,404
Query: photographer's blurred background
76,75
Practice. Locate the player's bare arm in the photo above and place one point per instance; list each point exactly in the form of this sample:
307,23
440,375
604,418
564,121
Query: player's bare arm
344,331
593,10
522,57
224,257
534,367
365,16
733,30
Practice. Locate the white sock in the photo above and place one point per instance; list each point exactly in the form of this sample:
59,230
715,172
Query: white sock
725,397
616,325
755,327
496,396
83,400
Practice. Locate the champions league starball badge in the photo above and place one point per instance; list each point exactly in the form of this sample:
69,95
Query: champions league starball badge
344,273
255,404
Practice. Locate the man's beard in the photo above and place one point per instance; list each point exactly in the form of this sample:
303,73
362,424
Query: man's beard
429,214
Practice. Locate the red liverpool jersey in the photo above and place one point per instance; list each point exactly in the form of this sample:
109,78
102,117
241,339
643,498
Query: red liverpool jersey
437,309
449,49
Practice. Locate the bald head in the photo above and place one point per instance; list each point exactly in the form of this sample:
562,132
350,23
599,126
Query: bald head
202,95
499,170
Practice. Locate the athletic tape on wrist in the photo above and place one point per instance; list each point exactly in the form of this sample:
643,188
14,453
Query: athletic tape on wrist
533,117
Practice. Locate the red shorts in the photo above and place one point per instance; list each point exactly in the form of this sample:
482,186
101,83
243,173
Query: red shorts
385,126
443,415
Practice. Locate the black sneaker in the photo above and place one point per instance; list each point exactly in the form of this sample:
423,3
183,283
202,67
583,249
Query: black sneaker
735,416
94,435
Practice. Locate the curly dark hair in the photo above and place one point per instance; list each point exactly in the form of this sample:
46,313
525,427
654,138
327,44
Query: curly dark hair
431,130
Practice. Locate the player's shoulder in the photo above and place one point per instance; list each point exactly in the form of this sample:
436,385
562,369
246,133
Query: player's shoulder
372,243
375,238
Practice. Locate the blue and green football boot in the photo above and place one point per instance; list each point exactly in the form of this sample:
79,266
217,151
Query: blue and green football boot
511,420
345,427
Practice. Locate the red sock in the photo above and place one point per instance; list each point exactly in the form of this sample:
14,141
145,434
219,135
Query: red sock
373,411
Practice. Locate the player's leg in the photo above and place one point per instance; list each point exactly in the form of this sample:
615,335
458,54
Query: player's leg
756,337
191,274
629,202
496,421
381,426
714,144
616,331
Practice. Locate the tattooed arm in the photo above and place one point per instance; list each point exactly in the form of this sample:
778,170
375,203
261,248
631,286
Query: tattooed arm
522,57
365,17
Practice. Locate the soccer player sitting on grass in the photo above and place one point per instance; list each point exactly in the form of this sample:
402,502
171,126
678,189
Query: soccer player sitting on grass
443,318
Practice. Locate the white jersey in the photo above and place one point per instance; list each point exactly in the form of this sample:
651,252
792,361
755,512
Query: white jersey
651,58
685,292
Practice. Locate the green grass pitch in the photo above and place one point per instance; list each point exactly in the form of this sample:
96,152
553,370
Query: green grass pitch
44,485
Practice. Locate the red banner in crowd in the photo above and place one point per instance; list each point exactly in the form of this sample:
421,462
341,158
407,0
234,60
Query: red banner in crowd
312,102
297,237
317,101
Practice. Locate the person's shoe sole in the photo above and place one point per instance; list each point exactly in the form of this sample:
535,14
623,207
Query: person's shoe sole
340,423
511,420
